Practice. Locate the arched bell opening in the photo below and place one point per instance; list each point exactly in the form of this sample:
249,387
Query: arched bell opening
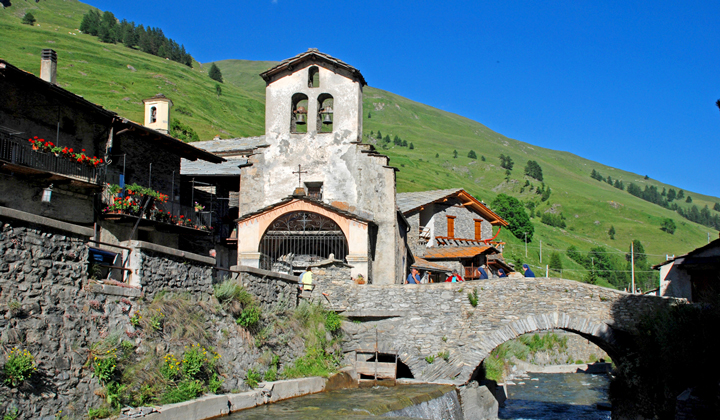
325,117
313,77
298,239
299,113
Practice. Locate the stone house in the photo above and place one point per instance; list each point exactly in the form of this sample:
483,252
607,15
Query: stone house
453,229
58,153
694,276
313,190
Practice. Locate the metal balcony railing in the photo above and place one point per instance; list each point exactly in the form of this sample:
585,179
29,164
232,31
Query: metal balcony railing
19,152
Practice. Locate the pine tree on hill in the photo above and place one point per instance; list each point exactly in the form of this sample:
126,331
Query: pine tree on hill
472,154
90,22
379,136
404,143
411,147
555,261
28,19
215,73
455,154
611,232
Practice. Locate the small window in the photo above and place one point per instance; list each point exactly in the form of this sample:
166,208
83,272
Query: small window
314,190
325,118
451,226
313,77
153,114
298,119
478,229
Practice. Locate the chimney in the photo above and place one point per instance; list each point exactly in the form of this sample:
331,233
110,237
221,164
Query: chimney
48,66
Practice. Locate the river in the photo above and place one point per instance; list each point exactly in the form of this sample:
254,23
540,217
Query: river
545,396
536,397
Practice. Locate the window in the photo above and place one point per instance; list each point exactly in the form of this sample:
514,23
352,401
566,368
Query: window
153,115
325,113
298,117
313,77
314,190
451,226
478,229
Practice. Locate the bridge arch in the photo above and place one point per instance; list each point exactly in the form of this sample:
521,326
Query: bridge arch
423,321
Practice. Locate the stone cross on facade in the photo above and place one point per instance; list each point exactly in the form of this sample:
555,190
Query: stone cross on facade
299,172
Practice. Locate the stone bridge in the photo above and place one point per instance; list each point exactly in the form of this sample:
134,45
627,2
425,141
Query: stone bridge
424,320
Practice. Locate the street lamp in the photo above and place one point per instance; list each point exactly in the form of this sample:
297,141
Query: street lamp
47,194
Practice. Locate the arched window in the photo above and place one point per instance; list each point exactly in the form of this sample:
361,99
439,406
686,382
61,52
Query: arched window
153,115
325,113
298,119
313,77
295,240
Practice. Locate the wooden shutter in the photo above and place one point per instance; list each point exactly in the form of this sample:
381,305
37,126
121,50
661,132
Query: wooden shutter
451,226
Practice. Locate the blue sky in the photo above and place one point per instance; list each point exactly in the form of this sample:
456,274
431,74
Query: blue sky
628,84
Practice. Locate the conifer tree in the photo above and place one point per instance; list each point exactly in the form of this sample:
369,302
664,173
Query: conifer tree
215,73
611,232
28,19
555,261
90,22
404,143
472,154
412,147
455,154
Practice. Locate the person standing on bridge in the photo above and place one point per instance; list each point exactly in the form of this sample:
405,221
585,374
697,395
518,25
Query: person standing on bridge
454,278
528,271
413,277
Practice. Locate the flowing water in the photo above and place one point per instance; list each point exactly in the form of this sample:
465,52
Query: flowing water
403,401
536,397
543,396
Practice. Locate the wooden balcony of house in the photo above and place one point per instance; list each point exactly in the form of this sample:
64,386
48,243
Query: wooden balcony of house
19,156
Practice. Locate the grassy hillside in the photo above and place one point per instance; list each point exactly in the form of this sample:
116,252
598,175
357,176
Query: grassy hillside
119,78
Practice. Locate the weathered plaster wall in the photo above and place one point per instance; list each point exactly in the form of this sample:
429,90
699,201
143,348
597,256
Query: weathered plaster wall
464,220
424,320
352,180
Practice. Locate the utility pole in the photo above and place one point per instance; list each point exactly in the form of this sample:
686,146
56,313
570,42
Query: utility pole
540,251
525,244
632,265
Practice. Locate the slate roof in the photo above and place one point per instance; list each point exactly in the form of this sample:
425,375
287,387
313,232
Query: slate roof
452,252
412,200
230,149
408,202
423,264
312,54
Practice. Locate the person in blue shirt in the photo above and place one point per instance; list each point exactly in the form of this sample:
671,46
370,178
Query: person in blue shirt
481,271
413,277
501,273
528,271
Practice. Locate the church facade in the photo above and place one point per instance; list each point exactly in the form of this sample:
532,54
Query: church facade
312,190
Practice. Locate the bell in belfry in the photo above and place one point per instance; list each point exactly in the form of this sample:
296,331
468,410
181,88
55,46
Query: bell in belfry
300,115
327,115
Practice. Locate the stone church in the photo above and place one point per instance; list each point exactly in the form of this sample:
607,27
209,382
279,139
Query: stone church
311,190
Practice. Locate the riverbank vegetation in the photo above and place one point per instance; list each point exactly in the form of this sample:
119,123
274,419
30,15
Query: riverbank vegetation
173,356
674,349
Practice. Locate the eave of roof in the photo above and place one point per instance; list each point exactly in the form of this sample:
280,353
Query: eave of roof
424,264
452,252
312,54
290,199
184,150
416,202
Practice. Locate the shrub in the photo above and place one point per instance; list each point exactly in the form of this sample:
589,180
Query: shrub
170,368
28,19
333,321
197,363
252,378
556,220
183,391
445,355
249,317
230,290
430,359
668,225
473,297
19,367
104,366
472,154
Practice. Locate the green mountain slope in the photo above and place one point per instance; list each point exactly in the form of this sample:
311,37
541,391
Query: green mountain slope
119,78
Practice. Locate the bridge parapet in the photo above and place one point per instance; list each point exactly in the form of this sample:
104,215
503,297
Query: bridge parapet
424,320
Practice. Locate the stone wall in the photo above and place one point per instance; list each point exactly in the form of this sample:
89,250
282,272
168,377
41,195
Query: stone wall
270,288
420,321
158,268
49,307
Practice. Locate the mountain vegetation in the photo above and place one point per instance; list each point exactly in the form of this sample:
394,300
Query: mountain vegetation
119,78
